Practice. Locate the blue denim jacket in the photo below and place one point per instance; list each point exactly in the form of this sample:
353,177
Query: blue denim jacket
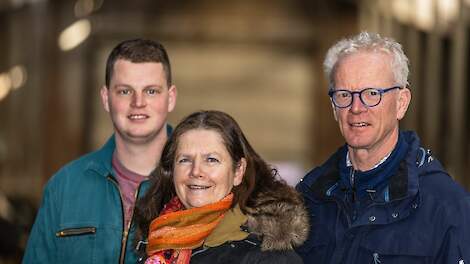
81,217
425,220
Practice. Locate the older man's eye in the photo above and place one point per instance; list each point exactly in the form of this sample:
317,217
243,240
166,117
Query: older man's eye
372,92
344,94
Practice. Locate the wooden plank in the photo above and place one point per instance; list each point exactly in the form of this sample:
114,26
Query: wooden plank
413,52
457,98
432,100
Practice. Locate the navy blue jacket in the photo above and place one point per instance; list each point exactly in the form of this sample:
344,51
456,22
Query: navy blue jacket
424,217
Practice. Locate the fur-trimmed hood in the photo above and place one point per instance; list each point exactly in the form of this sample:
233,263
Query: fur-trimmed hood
279,216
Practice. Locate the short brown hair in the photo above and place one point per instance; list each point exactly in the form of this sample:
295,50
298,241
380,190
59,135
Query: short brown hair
138,51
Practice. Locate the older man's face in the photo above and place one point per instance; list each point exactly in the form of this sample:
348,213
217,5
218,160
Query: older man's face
371,128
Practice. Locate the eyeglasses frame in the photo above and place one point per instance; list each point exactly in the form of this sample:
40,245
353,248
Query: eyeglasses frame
380,90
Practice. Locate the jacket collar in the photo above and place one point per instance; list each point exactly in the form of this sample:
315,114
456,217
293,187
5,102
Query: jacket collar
403,184
279,217
229,229
403,187
101,163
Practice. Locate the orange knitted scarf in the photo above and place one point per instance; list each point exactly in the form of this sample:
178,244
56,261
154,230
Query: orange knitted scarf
176,231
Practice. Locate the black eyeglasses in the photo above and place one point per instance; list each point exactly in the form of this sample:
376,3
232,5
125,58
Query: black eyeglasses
369,96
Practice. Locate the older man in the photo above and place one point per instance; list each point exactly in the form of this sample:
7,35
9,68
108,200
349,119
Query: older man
381,198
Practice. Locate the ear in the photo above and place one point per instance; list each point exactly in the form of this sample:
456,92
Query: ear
333,107
403,101
104,97
239,172
172,94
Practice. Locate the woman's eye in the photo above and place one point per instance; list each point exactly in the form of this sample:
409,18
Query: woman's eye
212,160
183,160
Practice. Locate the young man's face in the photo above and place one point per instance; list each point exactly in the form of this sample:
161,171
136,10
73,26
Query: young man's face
363,127
138,100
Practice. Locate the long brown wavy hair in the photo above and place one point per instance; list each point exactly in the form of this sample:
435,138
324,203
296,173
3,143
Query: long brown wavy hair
259,176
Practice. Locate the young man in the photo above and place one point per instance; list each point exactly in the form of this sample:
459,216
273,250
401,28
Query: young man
87,207
381,198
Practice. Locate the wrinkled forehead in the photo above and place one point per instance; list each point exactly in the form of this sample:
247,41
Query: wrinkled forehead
364,69
373,55
201,137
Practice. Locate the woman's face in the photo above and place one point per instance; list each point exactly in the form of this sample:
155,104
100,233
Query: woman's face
204,172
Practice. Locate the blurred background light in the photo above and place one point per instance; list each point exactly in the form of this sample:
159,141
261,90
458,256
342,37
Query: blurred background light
12,80
18,76
426,14
423,14
5,85
448,11
86,7
74,35
402,11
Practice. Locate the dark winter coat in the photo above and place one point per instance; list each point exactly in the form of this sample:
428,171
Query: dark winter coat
246,251
272,227
425,218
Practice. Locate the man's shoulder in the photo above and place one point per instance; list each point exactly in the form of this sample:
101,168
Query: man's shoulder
434,181
438,184
73,172
330,166
314,174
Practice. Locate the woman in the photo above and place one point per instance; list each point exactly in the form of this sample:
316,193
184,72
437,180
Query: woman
229,207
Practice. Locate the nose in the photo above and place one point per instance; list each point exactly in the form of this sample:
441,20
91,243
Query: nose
196,170
357,106
138,100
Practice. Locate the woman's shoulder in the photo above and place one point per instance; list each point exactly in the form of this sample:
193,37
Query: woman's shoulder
279,216
246,251
272,257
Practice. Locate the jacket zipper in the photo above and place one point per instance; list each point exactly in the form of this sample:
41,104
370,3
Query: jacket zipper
125,233
136,195
76,231
353,184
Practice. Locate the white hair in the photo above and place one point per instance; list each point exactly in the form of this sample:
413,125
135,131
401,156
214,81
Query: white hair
366,41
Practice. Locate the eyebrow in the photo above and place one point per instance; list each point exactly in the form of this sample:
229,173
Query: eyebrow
123,85
204,154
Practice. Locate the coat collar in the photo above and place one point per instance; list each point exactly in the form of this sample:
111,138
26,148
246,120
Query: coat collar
229,229
403,184
102,158
279,218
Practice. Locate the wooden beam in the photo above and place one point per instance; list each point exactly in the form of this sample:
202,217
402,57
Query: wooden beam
455,143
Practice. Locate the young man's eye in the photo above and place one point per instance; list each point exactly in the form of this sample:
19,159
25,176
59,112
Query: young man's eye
152,91
124,92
